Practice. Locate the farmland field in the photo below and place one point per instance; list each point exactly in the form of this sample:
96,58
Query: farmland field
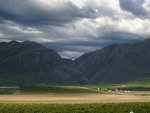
76,108
45,90
141,85
77,94
72,98
75,99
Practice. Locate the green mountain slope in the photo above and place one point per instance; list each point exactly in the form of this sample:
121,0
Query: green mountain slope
30,63
27,57
116,63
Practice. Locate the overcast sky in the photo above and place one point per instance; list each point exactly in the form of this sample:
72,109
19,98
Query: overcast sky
74,27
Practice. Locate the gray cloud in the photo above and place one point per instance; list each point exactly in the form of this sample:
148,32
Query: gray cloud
74,27
135,7
81,47
32,12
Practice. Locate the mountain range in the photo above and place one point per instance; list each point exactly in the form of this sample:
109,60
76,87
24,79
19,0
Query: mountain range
26,63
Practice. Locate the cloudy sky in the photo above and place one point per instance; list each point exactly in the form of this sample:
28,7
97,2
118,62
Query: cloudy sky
74,27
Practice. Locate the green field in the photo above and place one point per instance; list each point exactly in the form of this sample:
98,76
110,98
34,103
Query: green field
104,87
46,89
76,108
54,89
141,85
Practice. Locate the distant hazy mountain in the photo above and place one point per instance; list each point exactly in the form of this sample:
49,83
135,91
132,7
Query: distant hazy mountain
116,63
28,63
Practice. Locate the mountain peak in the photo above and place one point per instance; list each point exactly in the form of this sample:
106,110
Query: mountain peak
30,62
116,63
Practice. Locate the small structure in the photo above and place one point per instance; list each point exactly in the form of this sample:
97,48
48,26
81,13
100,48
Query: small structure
116,89
131,112
109,90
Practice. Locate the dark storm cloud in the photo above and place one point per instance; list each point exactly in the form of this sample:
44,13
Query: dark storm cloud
75,49
135,7
74,46
1,19
74,27
94,43
30,12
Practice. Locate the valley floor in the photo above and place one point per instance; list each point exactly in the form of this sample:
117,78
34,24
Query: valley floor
72,98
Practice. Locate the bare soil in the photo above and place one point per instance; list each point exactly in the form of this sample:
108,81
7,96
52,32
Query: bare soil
72,98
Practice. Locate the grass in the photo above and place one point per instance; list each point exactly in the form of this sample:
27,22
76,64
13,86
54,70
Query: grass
57,89
140,85
46,89
147,95
8,91
104,87
145,82
68,89
135,88
76,108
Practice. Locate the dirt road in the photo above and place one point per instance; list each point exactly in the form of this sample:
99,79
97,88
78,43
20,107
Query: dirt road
71,98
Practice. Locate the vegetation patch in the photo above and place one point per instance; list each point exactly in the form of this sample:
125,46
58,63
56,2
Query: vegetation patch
53,89
76,108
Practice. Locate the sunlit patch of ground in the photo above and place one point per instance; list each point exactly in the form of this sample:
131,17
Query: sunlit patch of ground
72,98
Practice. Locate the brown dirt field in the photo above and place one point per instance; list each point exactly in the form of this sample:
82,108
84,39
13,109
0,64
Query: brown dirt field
71,98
